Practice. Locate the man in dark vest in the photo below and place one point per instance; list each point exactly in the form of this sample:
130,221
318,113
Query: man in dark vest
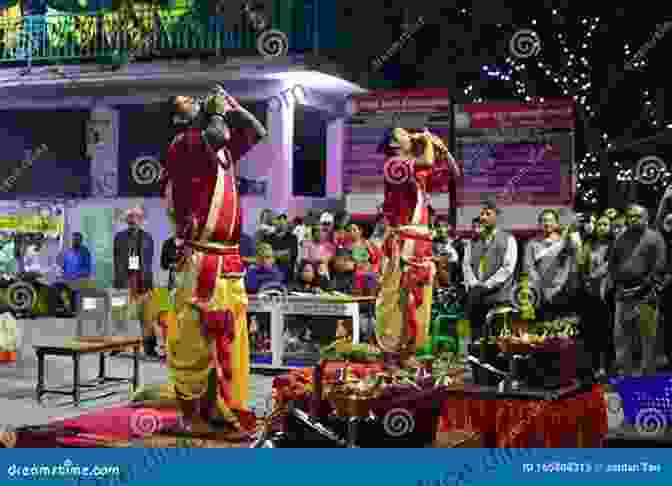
133,259
489,266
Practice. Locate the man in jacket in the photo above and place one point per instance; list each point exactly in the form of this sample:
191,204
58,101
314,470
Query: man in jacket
133,259
637,259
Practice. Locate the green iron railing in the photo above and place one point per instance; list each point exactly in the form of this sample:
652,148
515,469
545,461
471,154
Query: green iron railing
146,32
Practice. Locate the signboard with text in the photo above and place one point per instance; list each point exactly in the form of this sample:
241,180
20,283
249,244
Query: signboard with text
521,153
373,115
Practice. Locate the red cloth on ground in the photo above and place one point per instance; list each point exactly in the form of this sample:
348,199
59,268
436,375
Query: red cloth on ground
578,421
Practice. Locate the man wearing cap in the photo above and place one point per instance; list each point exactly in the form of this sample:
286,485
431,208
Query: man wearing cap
489,266
211,343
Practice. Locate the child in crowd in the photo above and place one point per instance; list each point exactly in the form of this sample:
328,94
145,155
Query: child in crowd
367,261
300,230
342,273
618,225
341,236
308,278
265,274
327,248
309,248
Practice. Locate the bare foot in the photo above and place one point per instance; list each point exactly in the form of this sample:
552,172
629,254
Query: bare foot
411,362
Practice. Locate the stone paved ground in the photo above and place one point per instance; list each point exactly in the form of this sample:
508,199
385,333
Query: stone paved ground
17,383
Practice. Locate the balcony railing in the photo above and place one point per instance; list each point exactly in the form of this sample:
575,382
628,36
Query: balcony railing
143,33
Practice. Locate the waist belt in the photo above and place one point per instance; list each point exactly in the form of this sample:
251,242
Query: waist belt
215,248
415,232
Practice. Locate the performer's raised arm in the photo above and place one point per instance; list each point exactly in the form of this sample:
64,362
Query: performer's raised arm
231,124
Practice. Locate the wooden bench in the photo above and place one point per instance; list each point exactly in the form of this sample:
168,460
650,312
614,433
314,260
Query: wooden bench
76,347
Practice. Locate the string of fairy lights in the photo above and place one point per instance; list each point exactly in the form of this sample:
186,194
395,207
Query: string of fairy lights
572,76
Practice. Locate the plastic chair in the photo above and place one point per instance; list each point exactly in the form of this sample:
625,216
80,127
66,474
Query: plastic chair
498,318
93,305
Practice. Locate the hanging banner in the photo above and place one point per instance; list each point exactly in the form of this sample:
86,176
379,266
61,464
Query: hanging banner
419,100
34,217
557,114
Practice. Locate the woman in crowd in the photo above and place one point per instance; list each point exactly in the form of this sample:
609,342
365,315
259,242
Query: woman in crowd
341,237
597,330
327,248
310,248
367,260
551,264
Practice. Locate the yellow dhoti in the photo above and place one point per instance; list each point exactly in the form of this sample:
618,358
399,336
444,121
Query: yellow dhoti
404,305
193,354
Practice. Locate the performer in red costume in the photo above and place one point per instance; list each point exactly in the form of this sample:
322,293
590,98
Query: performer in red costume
405,299
211,341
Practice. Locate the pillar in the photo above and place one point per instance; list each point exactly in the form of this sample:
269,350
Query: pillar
280,121
335,134
103,151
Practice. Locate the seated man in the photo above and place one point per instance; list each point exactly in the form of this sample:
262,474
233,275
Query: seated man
264,274
489,265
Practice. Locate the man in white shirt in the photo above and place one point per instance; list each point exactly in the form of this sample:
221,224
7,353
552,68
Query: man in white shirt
489,266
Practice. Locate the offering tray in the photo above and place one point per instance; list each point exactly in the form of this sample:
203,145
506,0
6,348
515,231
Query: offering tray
349,403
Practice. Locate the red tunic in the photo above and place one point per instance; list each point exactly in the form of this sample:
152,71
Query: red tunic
403,181
191,167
